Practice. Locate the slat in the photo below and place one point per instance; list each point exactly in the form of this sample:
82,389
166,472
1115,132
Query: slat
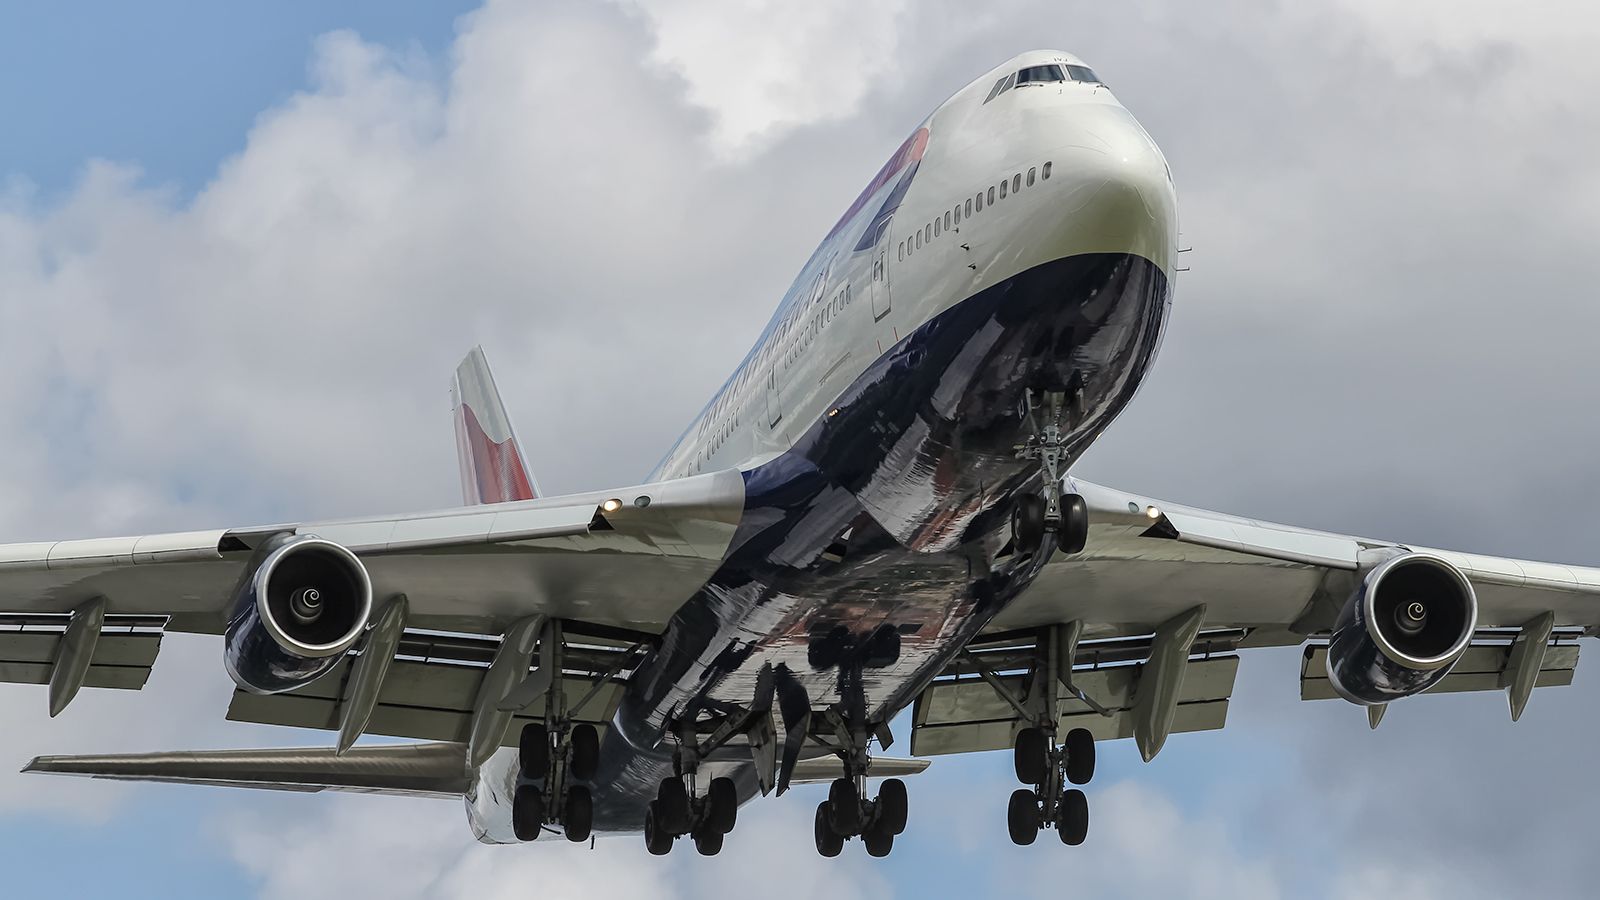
1479,669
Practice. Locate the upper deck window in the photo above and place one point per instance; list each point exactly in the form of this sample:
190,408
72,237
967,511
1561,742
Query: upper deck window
1042,74
1083,73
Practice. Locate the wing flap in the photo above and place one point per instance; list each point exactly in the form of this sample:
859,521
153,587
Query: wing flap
123,656
1481,668
413,770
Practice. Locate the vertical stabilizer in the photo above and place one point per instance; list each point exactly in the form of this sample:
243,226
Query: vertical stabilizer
493,469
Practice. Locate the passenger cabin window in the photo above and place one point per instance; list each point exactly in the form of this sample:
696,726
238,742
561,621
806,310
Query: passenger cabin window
1016,182
935,227
1000,87
1083,73
1046,172
919,240
991,196
1041,75
946,221
1030,176
969,205
1002,189
927,232
957,212
902,251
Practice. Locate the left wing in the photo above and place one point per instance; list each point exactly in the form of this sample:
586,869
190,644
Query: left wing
1141,629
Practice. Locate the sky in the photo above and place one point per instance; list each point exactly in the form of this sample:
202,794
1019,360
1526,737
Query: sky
243,247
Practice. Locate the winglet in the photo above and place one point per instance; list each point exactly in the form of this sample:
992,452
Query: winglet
493,469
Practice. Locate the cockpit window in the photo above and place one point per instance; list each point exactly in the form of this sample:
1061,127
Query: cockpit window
1000,87
1041,74
1083,73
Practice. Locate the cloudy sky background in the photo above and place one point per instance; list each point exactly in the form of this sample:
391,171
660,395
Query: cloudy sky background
242,249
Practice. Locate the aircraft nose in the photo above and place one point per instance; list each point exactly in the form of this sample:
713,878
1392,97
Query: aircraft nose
1121,198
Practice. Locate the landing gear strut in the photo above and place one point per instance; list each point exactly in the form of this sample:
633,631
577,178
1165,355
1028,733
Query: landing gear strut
847,813
1065,516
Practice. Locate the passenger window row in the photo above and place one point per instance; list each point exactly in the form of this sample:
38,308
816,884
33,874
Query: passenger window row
951,218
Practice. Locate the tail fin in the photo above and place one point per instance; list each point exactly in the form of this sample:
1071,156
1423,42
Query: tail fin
493,469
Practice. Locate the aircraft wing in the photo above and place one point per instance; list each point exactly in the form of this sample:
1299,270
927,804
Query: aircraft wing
1165,586
612,565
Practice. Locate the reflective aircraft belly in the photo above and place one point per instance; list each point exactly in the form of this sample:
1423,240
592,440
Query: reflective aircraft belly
888,515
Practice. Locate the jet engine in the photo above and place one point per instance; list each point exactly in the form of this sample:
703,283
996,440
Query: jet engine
1402,630
301,605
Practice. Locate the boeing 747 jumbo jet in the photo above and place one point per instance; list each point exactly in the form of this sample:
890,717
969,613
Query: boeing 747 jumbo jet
876,513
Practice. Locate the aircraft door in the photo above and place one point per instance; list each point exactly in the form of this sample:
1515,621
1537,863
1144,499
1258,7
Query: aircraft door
774,403
880,276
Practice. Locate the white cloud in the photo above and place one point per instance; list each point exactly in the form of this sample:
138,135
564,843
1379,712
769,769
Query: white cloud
763,68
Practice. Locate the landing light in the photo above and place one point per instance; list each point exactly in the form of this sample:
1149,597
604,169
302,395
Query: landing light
611,505
1152,512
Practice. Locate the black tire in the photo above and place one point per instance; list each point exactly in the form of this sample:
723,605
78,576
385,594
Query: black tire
707,842
829,843
527,812
1073,534
672,806
879,842
1080,756
1027,523
578,816
1072,820
722,797
534,749
1022,817
1031,756
585,752
656,839
892,806
844,803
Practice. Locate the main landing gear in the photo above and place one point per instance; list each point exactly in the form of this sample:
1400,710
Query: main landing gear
845,814
560,759
1049,767
1065,517
676,812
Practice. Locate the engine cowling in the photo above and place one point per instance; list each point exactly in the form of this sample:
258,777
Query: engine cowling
302,605
1402,630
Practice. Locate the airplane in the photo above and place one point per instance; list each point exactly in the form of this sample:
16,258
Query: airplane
873,525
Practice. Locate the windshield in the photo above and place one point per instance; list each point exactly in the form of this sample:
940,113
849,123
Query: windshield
1040,75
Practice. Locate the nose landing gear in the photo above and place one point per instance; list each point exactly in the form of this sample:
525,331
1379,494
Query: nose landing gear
1065,516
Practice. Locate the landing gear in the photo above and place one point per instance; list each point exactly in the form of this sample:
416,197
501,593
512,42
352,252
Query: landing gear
1065,516
706,819
556,757
829,842
1048,768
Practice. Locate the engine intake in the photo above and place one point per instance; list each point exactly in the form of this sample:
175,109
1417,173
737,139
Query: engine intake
304,602
1402,630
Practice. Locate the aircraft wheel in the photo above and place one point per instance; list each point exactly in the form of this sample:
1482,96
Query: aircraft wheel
1031,756
585,752
527,812
1073,533
892,806
578,818
844,804
1080,756
722,798
829,842
1022,817
657,839
1027,523
672,806
879,841
534,750
1073,818
708,842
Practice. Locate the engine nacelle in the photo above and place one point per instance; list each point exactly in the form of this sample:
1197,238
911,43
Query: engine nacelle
302,605
1402,630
